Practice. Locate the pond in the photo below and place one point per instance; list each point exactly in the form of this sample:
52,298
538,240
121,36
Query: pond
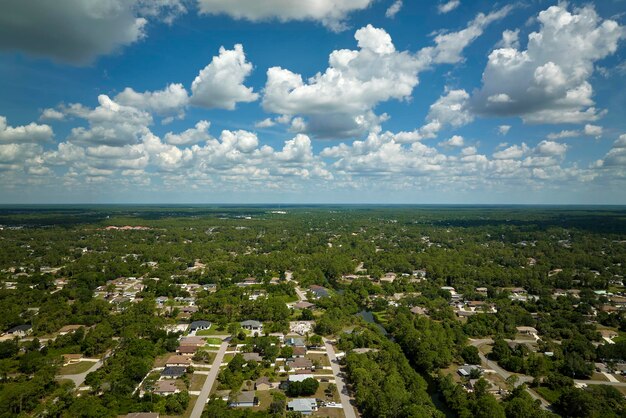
368,316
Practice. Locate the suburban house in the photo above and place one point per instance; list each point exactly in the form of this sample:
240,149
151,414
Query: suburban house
246,399
173,372
299,377
300,363
251,325
264,383
164,387
71,358
303,304
527,330
187,349
318,291
299,352
20,330
199,326
178,361
195,341
466,370
295,342
305,406
69,329
252,357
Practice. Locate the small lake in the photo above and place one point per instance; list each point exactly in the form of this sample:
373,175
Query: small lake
368,316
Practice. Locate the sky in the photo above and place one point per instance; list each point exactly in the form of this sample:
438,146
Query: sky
313,101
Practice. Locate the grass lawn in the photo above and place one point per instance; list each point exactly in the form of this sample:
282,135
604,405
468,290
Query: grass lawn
228,357
265,399
77,368
329,412
197,381
212,331
381,317
321,393
547,393
187,413
322,358
214,341
599,376
161,360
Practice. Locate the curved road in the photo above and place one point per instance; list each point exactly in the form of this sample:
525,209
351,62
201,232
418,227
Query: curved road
208,383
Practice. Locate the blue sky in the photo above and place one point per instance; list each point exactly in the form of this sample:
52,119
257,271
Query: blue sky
324,101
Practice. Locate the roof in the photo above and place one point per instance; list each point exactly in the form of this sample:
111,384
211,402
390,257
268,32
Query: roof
189,349
299,377
304,305
166,386
192,341
199,324
302,404
301,362
246,396
173,371
262,380
526,329
251,323
178,360
252,356
18,328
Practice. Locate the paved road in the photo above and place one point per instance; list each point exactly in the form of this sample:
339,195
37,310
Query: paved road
301,294
348,409
208,384
79,379
504,374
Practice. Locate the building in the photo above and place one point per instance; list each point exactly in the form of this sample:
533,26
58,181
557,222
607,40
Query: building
194,341
20,330
264,383
527,331
300,363
295,342
299,377
178,361
304,305
245,399
173,372
165,387
71,359
466,370
318,291
305,406
253,326
252,357
69,329
299,352
199,326
187,349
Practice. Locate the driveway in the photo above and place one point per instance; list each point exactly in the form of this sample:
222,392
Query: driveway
79,379
348,409
208,384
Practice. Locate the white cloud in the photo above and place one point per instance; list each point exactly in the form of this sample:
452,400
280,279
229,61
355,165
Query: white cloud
511,153
191,136
171,99
448,6
31,133
450,109
616,157
393,10
331,13
510,39
265,123
455,141
588,130
342,97
593,130
504,129
78,31
551,148
220,84
449,46
548,82
51,114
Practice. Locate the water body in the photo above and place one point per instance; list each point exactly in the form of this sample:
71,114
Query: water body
368,317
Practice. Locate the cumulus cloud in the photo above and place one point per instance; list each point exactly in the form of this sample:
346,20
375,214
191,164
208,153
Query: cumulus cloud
265,123
588,130
220,84
393,10
78,31
616,157
109,123
343,96
31,133
195,135
172,99
549,81
455,141
449,6
331,13
450,45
